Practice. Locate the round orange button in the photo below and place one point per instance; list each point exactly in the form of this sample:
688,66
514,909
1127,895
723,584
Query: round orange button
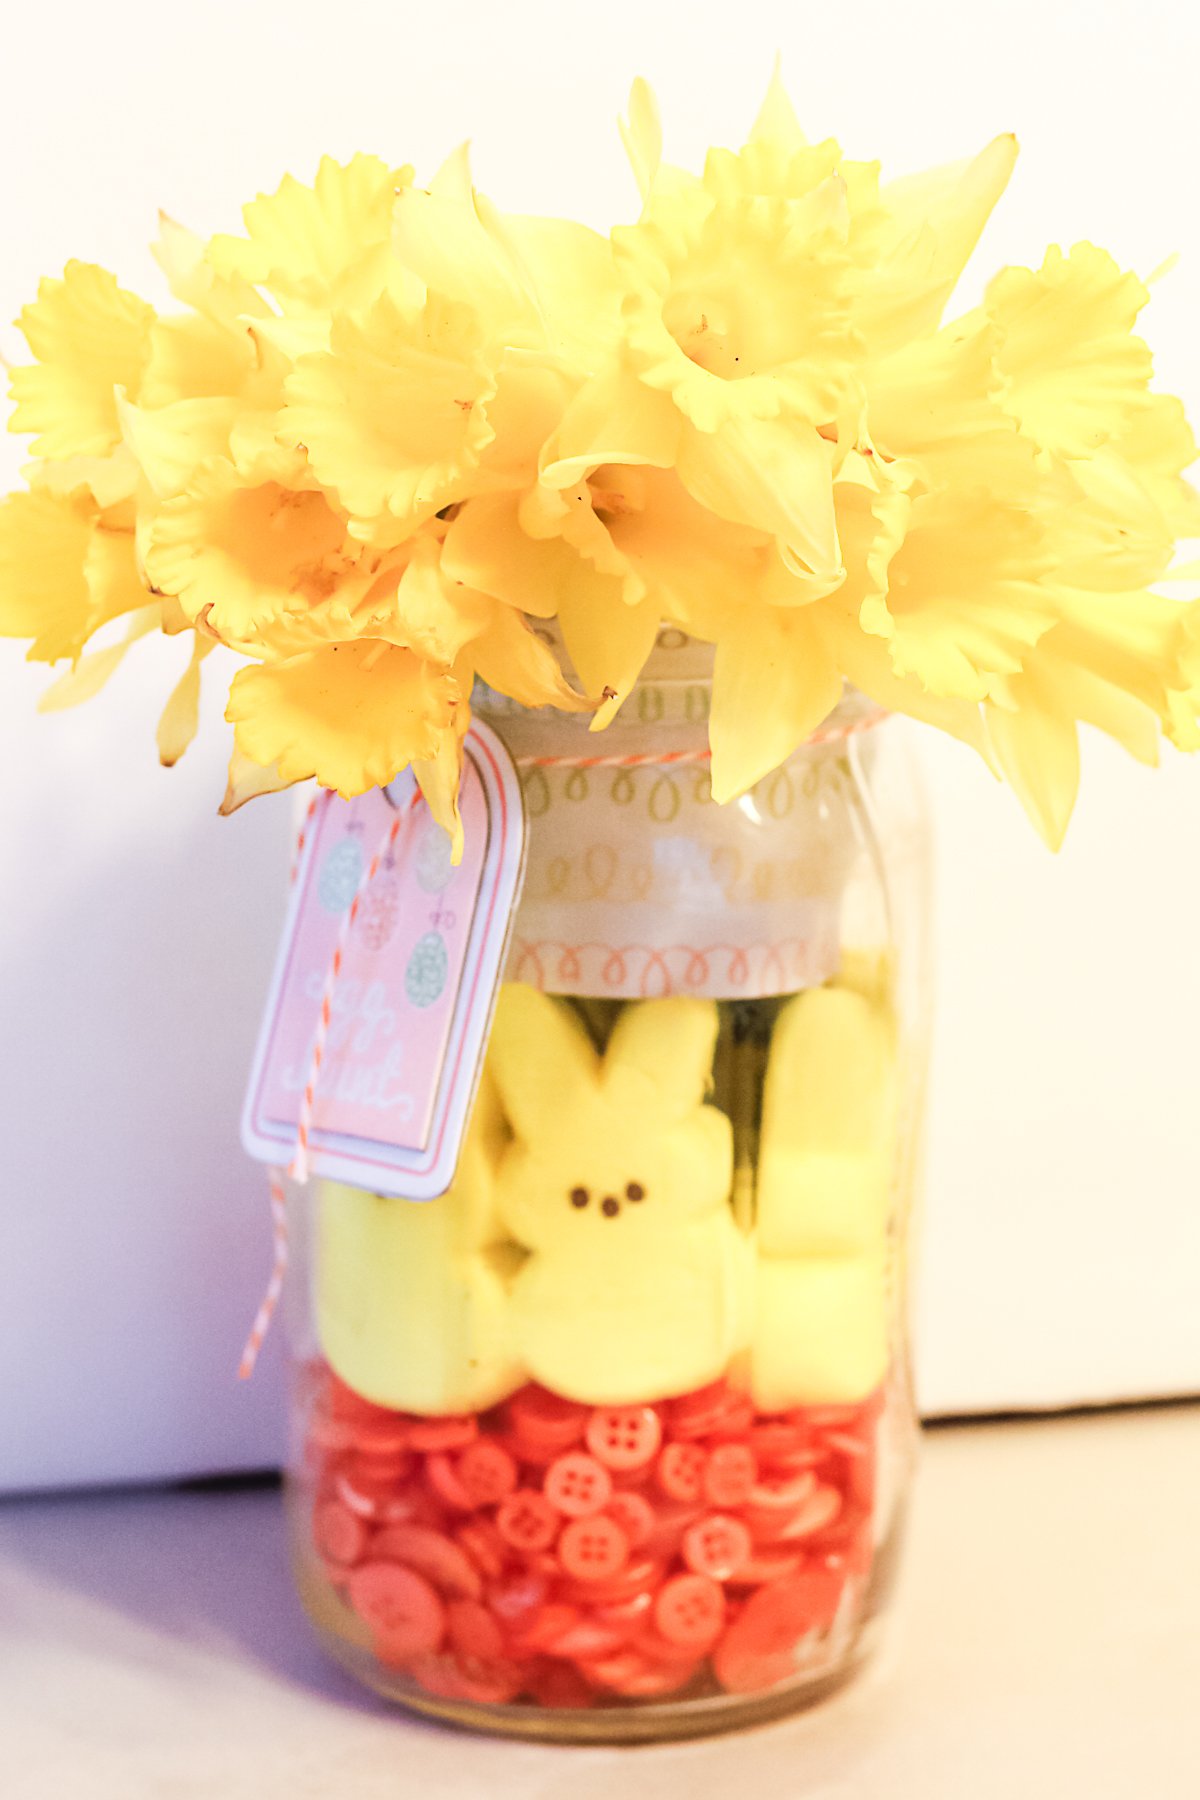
577,1485
543,1418
432,1554
624,1437
473,1631
487,1472
593,1549
690,1610
681,1471
338,1534
400,1605
450,1433
717,1546
731,1472
527,1521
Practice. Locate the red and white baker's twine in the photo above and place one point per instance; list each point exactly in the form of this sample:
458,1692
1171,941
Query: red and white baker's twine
270,1300
299,1165
658,758
298,1169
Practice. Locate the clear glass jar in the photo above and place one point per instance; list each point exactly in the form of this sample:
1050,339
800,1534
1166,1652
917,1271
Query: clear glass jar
612,1441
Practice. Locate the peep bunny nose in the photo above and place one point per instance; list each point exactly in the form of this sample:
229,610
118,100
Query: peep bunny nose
580,1198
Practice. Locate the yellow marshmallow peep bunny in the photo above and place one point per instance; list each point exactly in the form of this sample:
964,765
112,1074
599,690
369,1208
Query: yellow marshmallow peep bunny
617,1181
826,1156
412,1295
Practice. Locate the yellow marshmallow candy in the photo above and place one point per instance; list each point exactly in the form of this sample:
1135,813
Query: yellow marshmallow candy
825,1157
412,1296
820,1336
824,1189
617,1182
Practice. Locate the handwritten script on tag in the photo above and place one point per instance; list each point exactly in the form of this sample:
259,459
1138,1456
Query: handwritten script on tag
412,1003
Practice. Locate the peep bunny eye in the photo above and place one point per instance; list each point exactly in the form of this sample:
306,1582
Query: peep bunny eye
635,1191
579,1196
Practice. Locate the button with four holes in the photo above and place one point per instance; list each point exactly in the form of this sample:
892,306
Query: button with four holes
623,1437
690,1610
577,1485
593,1549
730,1473
681,1471
527,1521
487,1472
717,1546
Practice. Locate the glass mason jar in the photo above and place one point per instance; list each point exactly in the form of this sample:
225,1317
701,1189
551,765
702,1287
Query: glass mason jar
612,1441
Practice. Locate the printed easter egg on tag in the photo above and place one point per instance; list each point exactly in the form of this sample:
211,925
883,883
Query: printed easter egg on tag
340,873
379,912
432,864
403,950
425,976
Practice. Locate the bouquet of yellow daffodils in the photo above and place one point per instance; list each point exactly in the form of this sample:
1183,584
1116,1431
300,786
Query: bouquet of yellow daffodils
390,425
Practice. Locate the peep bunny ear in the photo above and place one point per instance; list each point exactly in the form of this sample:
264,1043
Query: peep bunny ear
539,1052
830,1079
660,1055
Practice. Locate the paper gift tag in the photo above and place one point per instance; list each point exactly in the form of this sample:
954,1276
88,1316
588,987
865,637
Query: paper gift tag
413,989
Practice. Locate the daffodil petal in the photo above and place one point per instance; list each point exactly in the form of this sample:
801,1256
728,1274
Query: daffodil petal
608,647
439,776
867,666
111,481
180,717
192,358
1074,372
322,247
772,475
439,237
180,254
613,419
742,310
512,659
394,415
641,135
85,679
776,123
170,442
930,224
44,595
352,715
772,686
968,595
242,555
248,780
110,570
424,611
90,337
487,549
1038,752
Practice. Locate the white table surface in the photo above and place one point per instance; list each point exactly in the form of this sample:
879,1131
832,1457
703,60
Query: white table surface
1046,1643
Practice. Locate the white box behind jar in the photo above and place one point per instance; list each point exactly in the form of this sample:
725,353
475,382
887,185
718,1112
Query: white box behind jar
136,929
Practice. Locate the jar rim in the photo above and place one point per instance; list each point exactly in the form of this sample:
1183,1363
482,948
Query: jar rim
673,691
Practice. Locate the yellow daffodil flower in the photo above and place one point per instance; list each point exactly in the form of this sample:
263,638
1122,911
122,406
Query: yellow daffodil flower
90,339
387,425
393,416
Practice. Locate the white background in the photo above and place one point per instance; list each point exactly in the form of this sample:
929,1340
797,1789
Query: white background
1063,1242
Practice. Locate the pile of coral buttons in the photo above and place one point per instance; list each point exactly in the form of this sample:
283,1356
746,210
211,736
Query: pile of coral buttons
566,1555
